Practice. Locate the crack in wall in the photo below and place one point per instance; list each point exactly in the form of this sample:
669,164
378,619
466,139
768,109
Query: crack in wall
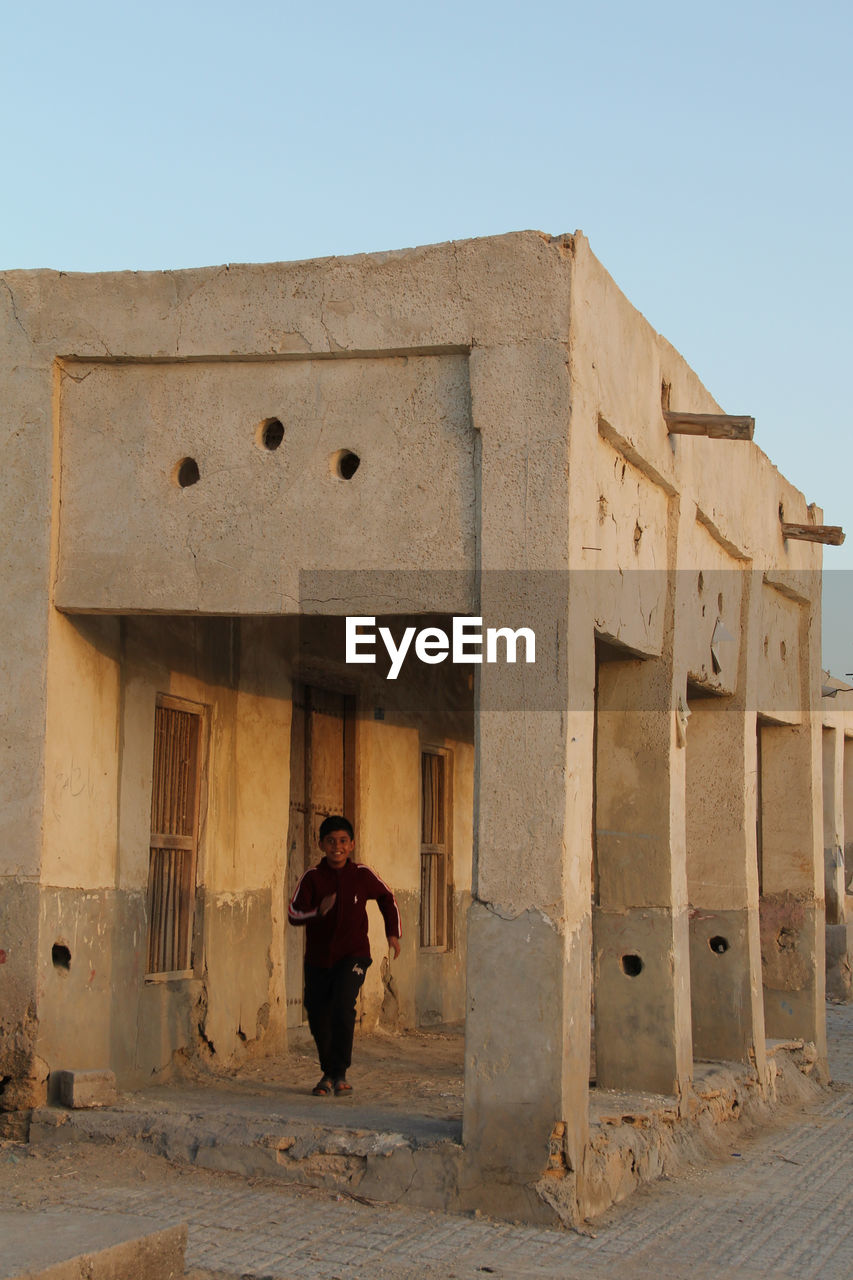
503,914
181,302
332,344
14,306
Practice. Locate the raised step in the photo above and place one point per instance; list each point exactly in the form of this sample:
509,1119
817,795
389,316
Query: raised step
65,1245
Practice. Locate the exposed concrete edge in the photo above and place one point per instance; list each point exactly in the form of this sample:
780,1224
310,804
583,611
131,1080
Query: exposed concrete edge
634,1139
637,1138
392,1166
157,1255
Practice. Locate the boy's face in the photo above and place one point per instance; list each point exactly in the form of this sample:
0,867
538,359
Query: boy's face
337,846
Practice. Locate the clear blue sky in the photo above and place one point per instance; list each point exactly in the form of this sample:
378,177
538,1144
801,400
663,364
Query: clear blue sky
705,150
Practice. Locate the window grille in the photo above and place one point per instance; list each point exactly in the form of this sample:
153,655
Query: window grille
434,849
174,838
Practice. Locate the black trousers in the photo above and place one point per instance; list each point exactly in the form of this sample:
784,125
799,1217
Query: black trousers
330,996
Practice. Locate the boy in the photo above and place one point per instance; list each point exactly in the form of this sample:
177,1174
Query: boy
331,901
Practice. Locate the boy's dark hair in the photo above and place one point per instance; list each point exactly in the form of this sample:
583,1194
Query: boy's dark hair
335,823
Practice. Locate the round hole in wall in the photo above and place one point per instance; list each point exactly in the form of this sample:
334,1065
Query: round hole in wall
187,472
270,434
719,945
60,955
632,966
345,463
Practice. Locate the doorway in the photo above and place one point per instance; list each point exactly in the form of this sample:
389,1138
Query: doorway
322,782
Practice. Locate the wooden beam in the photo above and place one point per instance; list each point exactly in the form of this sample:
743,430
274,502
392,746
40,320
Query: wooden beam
830,534
716,426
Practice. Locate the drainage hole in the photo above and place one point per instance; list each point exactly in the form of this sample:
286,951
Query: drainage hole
718,944
270,433
345,463
187,472
632,965
60,955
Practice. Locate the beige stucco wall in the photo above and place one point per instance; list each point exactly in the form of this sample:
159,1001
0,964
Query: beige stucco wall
426,987
238,540
95,859
723,507
105,678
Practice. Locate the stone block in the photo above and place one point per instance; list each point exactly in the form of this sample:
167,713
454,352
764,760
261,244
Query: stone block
22,1093
71,1245
86,1088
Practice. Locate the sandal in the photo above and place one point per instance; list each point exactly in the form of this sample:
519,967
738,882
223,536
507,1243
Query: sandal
322,1088
342,1086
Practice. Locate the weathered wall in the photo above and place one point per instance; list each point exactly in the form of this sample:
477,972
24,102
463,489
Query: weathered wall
105,677
237,540
721,555
101,713
26,447
423,987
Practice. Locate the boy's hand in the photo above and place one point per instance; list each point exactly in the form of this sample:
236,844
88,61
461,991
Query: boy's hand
394,944
327,903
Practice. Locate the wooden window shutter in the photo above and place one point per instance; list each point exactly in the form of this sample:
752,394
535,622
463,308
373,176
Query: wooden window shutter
434,849
174,837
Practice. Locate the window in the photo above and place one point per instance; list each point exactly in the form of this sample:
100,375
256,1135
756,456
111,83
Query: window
174,836
435,848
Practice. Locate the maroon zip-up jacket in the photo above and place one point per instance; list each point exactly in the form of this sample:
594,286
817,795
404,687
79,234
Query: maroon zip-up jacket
343,931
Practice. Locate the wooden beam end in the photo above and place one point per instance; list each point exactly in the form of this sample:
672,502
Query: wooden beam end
715,426
831,535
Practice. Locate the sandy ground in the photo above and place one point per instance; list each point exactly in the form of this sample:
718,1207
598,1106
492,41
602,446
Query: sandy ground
421,1071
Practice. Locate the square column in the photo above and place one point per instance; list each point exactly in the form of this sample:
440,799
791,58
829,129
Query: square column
847,803
722,882
833,825
640,934
527,1023
793,940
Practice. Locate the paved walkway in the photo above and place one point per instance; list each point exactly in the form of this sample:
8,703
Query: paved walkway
779,1205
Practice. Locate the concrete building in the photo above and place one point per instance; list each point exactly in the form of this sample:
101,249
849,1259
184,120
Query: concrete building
207,471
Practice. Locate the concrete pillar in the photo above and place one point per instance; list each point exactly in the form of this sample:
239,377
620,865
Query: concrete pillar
26,502
527,1023
793,945
722,883
847,813
839,937
833,828
640,932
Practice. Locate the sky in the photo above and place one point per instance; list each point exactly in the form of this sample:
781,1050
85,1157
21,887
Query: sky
704,150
